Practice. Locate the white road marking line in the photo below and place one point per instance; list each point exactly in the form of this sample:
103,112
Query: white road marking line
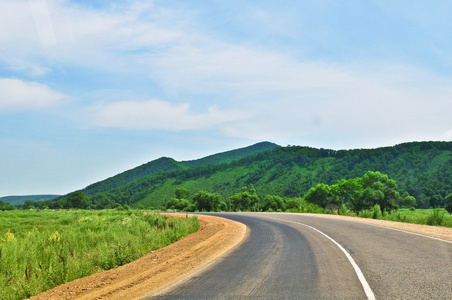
369,293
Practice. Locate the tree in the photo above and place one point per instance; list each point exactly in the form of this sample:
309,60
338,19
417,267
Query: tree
247,200
435,200
205,201
379,189
448,203
408,201
253,199
273,203
325,196
6,206
106,203
180,204
28,204
292,203
76,200
182,194
350,192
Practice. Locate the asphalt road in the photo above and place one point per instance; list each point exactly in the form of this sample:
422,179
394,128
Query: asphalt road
290,256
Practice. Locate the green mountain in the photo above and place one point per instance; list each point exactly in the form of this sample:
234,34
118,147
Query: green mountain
162,164
165,164
421,169
21,199
230,156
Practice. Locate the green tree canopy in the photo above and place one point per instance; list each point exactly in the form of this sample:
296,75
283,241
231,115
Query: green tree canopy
76,200
180,204
6,206
324,195
408,201
182,194
205,201
379,189
358,193
273,203
247,200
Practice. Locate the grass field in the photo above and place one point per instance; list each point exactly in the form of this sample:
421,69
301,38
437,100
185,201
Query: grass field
40,250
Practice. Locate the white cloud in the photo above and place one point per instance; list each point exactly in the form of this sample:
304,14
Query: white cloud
358,107
156,114
288,96
60,32
43,22
20,95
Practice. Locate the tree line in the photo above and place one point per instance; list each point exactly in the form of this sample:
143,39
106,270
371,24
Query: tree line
355,194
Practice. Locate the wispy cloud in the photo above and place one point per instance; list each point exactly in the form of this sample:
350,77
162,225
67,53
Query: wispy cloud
156,114
43,22
289,96
63,33
20,95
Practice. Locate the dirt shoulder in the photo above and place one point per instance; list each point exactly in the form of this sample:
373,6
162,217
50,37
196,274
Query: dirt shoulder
433,231
157,269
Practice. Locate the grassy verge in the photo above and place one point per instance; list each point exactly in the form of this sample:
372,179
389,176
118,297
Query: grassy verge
434,217
40,250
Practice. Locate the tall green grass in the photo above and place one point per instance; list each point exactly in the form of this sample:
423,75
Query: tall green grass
40,250
434,217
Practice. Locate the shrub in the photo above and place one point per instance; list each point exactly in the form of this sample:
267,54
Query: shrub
435,217
365,213
376,212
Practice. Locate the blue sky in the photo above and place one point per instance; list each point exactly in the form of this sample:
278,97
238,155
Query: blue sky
89,89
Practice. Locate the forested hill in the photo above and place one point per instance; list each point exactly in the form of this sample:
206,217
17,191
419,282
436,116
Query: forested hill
165,164
230,156
162,164
421,169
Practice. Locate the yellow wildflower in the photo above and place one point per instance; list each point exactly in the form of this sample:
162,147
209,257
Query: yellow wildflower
55,237
9,237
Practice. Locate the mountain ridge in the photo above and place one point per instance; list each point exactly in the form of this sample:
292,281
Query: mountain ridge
422,169
168,164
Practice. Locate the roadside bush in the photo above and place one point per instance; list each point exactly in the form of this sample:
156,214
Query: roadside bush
435,217
376,212
345,211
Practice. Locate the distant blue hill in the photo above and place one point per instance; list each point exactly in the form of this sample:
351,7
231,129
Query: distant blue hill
21,199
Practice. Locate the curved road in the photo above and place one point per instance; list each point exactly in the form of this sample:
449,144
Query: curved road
294,256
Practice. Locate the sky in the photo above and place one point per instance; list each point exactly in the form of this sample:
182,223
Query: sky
91,88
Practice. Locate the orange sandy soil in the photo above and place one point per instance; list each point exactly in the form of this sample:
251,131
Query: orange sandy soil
157,269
